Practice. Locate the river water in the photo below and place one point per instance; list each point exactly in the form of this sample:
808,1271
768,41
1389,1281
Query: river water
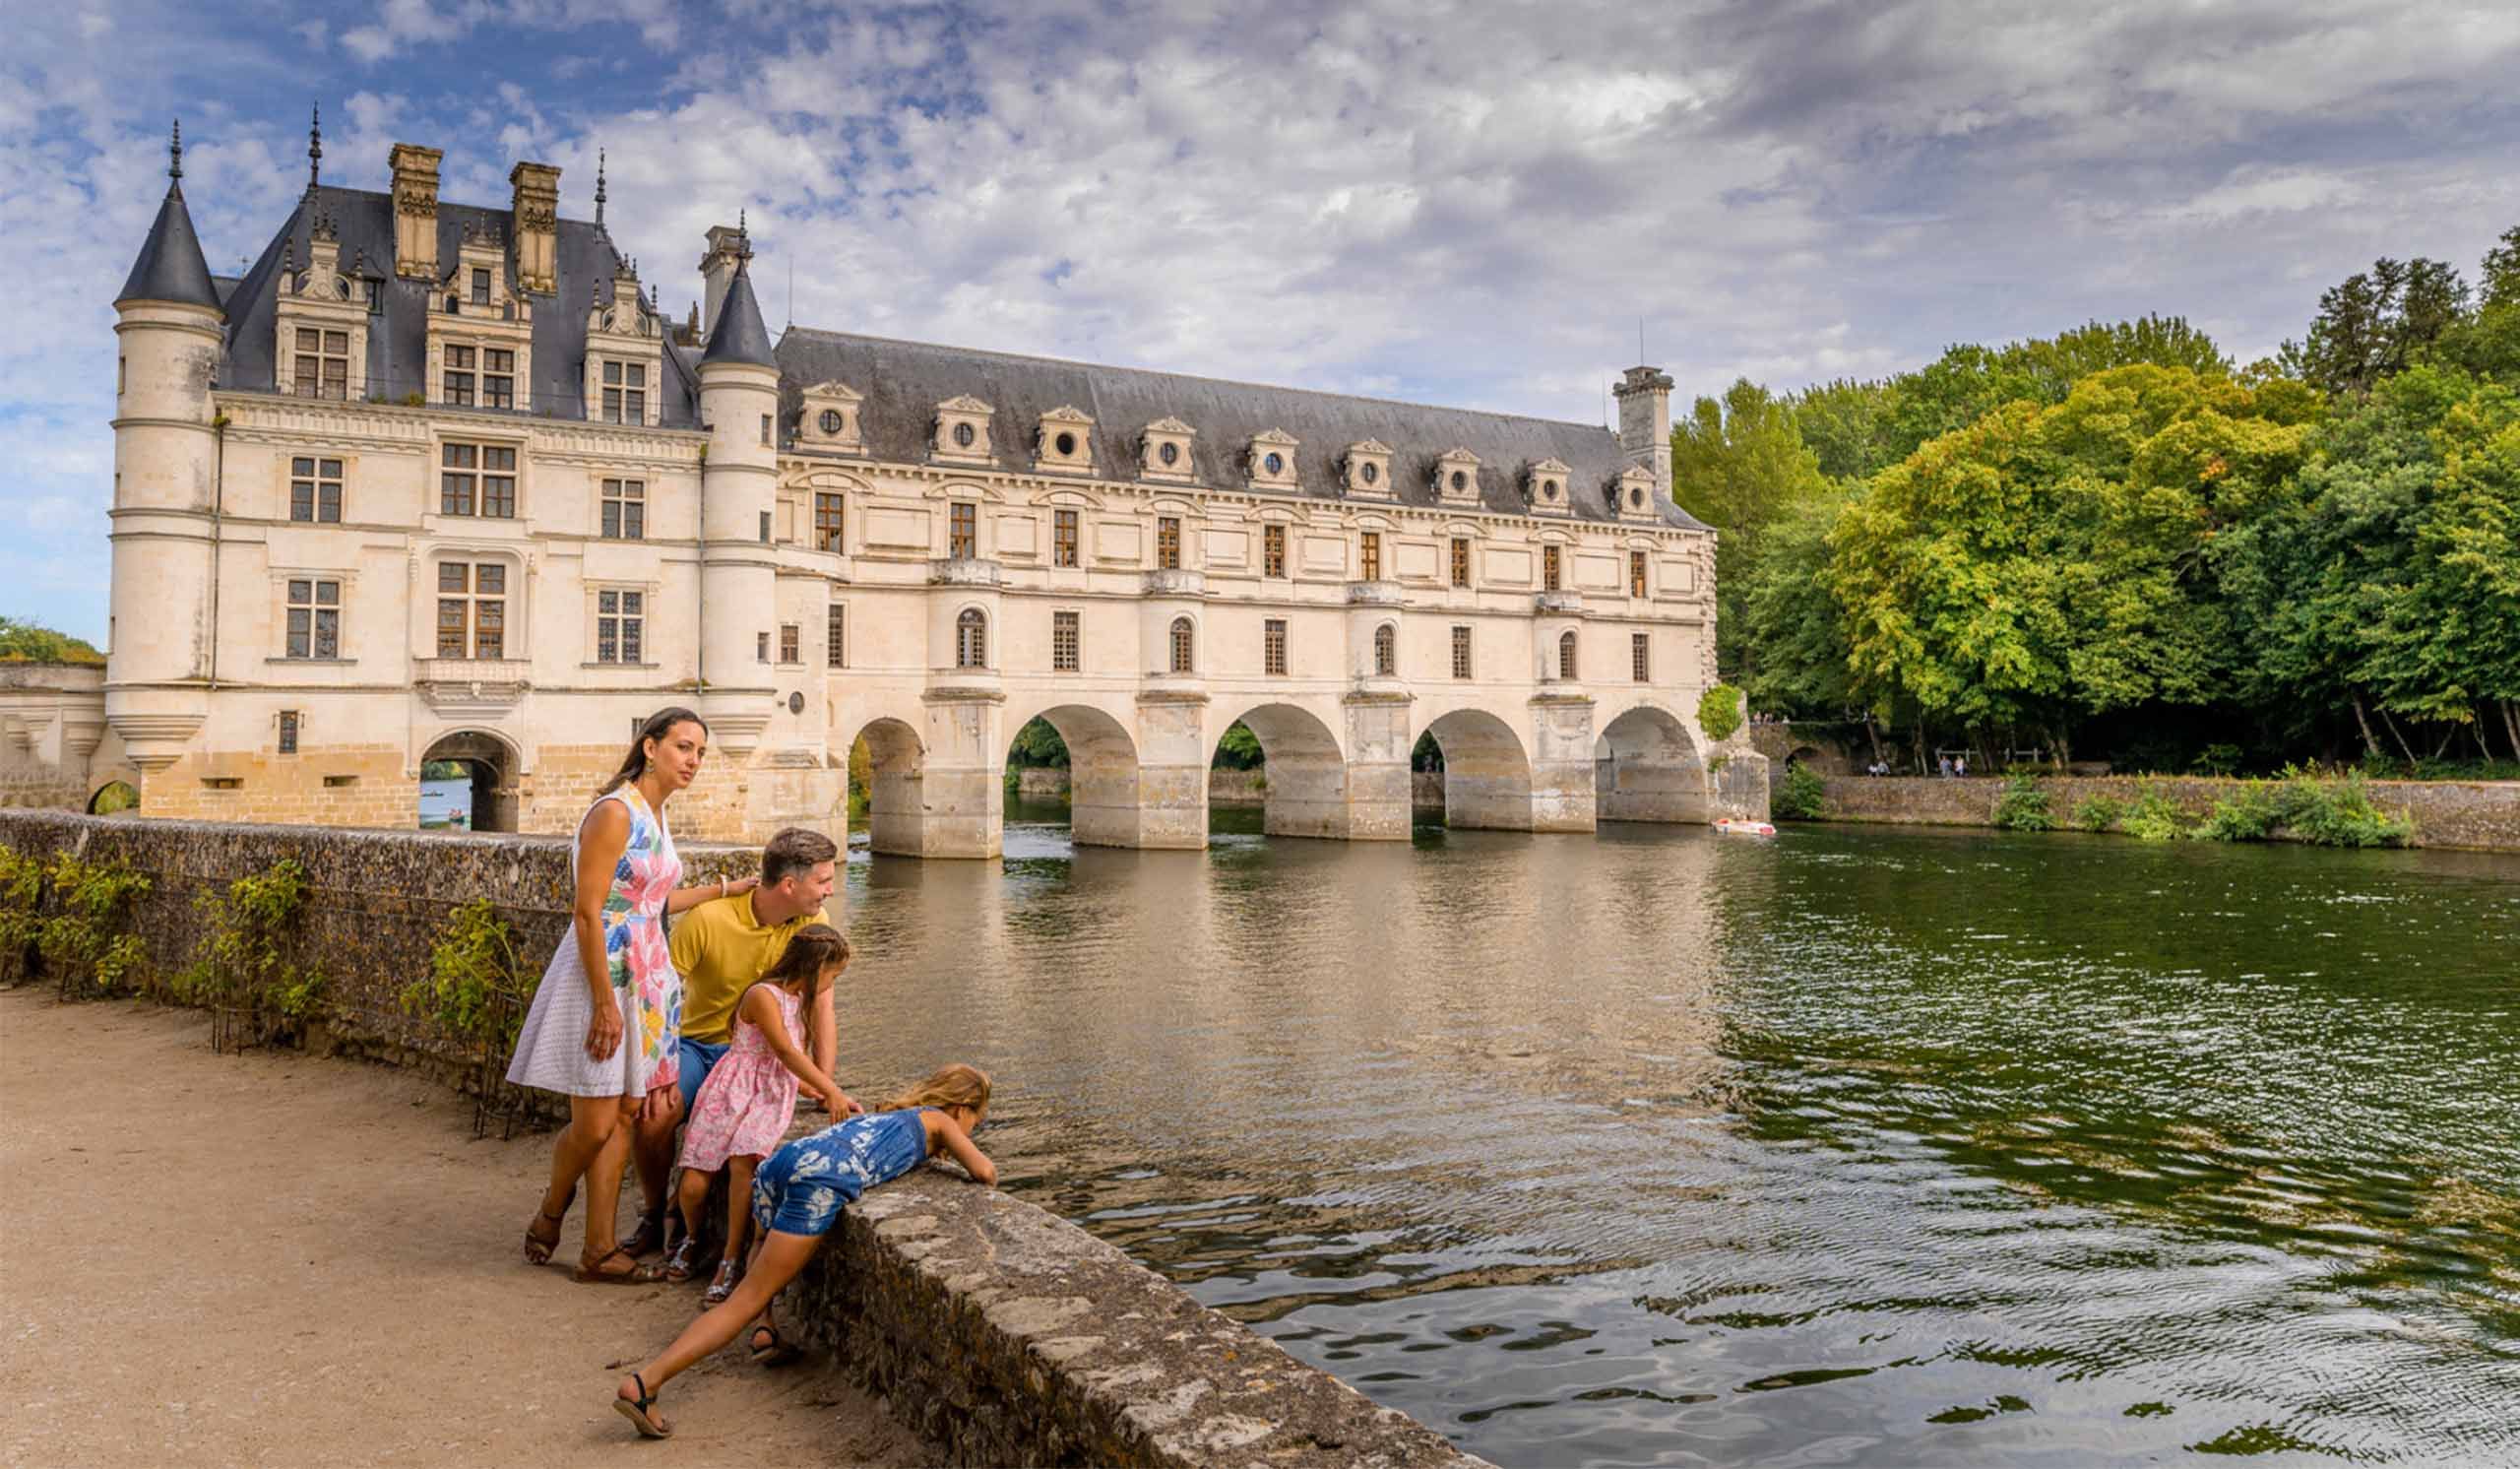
1859,1146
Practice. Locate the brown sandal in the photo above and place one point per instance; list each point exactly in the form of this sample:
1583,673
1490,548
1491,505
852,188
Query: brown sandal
537,1250
637,1275
647,1237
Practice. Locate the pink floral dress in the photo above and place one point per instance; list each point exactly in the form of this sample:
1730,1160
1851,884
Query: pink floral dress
750,1097
551,1049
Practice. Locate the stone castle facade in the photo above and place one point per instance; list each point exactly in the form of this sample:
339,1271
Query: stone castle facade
439,481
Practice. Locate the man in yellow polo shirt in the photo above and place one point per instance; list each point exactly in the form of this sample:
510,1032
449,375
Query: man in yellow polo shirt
720,948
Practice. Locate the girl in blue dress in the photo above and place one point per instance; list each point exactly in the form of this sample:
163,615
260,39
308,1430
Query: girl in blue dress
796,1197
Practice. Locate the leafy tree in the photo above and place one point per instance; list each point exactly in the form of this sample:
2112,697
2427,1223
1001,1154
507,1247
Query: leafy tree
1845,424
1038,743
2488,343
2374,323
1795,621
1719,712
1738,463
24,640
1239,749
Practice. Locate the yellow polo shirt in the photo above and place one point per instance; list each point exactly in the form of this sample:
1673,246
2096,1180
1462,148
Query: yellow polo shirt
720,948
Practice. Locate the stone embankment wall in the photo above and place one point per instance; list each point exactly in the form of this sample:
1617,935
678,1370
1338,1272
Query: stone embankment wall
1003,1333
2476,815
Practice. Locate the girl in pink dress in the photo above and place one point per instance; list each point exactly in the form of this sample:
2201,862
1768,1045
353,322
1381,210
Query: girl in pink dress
743,1108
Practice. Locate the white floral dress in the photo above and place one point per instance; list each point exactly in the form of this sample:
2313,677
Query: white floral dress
551,1049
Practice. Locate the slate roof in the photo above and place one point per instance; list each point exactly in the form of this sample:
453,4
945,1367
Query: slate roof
398,334
171,267
739,335
905,381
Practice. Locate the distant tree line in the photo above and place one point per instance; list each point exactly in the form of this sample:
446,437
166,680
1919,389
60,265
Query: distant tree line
2117,541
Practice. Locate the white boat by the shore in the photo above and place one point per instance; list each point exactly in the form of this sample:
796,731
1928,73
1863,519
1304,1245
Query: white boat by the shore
1736,828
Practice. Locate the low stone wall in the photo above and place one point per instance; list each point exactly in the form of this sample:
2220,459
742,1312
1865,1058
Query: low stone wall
2476,815
1238,788
1003,1333
1041,782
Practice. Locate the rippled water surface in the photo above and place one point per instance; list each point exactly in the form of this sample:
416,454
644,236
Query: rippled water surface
1860,1146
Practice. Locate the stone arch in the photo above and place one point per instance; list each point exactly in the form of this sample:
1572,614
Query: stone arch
112,797
1105,783
1487,774
1646,767
1306,771
896,805
489,800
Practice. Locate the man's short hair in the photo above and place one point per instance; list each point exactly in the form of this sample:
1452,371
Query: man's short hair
796,850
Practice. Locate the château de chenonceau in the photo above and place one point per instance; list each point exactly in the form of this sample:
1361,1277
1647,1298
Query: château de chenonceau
436,482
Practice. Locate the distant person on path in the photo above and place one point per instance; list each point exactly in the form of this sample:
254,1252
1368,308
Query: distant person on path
604,1020
720,949
797,1196
1960,767
745,1107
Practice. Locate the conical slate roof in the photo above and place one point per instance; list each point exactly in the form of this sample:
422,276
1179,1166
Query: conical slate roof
171,267
740,335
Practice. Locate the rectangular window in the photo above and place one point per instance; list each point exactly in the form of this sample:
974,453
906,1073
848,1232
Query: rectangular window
620,626
761,646
962,531
765,527
828,510
1066,639
471,609
481,286
491,491
314,618
315,489
836,636
498,377
1461,560
1369,555
1062,537
791,643
1640,655
625,393
625,509
1548,568
1273,550
1273,647
458,376
288,731
499,482
1636,573
1461,651
322,363
1167,543
765,430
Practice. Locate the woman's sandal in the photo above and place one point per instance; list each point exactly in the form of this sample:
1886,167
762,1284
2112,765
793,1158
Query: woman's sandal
537,1250
647,1235
640,1410
637,1275
729,1272
680,1265
768,1349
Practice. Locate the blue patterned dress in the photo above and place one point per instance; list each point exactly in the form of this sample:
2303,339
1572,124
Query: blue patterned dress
801,1188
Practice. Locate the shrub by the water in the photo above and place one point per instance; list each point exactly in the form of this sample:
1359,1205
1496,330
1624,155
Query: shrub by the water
2245,816
1719,712
1798,796
2099,813
2330,813
2023,805
2152,818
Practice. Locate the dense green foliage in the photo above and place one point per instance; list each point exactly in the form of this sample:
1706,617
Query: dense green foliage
245,959
1239,748
475,992
1038,743
2023,806
23,640
1796,798
74,915
2112,542
1719,712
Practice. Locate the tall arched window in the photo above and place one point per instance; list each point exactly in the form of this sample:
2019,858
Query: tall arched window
1184,647
1566,656
1386,651
971,639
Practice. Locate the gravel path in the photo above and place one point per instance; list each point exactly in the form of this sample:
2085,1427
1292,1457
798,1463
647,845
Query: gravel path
282,1261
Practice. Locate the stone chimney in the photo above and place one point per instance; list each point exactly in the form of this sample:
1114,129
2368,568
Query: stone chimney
1645,424
415,211
535,213
728,250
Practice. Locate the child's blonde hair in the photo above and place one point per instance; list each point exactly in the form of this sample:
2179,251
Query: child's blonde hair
956,1085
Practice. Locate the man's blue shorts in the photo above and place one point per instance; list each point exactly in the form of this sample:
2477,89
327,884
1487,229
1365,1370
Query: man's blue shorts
697,1058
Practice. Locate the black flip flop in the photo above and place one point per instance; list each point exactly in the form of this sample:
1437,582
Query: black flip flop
779,1351
639,1413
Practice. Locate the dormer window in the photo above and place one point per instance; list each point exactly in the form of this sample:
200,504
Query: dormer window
1457,478
831,419
625,392
1065,441
1163,451
1369,466
1272,462
1632,495
961,430
1545,487
480,285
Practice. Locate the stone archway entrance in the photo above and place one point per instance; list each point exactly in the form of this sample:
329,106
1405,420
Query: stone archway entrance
1488,777
468,783
1646,767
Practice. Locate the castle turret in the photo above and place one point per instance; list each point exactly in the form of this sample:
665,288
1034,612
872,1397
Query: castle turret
1645,424
738,577
165,489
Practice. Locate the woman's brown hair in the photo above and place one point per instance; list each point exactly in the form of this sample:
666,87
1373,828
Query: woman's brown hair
956,1085
660,724
812,950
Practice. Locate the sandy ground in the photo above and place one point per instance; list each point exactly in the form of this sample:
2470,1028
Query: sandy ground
279,1260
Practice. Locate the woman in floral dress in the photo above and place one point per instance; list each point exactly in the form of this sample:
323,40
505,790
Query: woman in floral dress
604,1020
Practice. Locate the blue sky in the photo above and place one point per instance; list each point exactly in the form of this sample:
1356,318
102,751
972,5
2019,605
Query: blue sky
1472,204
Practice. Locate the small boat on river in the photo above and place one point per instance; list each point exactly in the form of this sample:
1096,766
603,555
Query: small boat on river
1734,828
